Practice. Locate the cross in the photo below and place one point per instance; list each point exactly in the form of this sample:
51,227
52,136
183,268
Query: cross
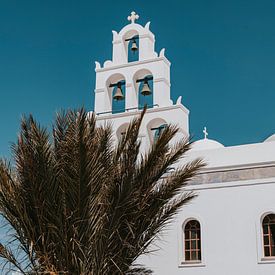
133,17
205,132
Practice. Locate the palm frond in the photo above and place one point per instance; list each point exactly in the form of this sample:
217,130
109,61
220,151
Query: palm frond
79,204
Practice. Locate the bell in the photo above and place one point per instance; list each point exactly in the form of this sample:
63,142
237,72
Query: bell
134,47
118,94
146,88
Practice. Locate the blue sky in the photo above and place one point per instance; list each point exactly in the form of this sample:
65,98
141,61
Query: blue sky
222,55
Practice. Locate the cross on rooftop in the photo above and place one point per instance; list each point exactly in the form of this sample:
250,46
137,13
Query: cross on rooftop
205,132
133,17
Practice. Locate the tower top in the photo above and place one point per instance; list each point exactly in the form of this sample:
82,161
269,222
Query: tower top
133,17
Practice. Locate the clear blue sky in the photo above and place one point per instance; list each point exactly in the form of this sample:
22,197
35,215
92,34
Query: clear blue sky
222,54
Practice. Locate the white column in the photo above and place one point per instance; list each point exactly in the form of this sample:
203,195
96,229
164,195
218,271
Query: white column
131,100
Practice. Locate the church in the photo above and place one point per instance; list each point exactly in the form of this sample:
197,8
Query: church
229,229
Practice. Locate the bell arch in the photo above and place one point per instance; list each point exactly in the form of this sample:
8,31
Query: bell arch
144,86
122,129
115,85
131,45
155,127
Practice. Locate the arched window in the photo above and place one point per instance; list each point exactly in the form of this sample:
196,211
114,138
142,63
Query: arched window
192,241
269,235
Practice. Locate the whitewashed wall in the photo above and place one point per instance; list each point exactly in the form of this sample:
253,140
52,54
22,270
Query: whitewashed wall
230,214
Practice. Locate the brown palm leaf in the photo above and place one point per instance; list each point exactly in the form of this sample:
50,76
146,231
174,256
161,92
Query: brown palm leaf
79,204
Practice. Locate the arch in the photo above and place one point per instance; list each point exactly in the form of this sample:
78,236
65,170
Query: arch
117,106
148,99
128,38
268,234
134,27
122,129
155,128
192,240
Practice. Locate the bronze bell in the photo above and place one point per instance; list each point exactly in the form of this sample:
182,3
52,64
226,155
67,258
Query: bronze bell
146,88
134,47
118,94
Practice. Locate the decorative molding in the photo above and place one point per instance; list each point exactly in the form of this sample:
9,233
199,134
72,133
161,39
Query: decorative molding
219,185
147,26
107,64
137,112
162,52
190,264
237,167
115,35
267,261
235,175
97,65
179,100
130,64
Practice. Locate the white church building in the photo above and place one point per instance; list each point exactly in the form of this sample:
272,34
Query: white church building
229,229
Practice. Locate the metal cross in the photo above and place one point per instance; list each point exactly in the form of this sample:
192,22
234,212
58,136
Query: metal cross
205,132
133,17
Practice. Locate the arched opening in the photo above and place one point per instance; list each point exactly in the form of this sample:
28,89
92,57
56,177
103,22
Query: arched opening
144,85
155,128
116,86
192,241
268,227
131,40
121,131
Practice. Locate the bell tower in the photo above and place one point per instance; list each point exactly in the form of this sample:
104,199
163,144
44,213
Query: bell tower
136,76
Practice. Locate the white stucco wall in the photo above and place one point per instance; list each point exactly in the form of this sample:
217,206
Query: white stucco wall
230,215
230,229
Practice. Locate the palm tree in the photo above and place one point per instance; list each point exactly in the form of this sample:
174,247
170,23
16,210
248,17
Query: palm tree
78,204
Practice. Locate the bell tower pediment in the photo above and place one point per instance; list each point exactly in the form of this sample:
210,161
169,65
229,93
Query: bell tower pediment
121,40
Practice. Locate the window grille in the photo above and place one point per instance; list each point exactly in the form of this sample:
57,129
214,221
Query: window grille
269,235
192,241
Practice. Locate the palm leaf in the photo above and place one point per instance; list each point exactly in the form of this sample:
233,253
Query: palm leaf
79,204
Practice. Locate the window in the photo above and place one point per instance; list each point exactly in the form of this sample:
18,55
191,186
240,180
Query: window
192,241
269,235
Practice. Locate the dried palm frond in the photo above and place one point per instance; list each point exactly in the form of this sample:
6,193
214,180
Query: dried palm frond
79,204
